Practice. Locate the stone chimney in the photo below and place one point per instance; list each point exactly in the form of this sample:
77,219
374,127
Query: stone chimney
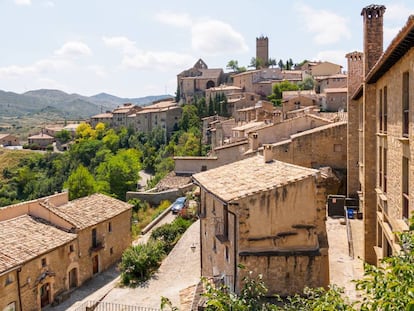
267,153
373,35
355,71
254,141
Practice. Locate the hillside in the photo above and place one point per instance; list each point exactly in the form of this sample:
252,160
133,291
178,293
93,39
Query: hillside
24,113
10,158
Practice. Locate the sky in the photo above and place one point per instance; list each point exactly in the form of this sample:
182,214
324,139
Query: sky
133,48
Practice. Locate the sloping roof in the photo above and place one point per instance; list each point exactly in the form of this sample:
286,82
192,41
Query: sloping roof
2,136
90,210
243,178
336,90
210,73
24,238
400,45
102,115
40,136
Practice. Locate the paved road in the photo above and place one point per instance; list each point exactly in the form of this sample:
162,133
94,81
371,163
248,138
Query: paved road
179,270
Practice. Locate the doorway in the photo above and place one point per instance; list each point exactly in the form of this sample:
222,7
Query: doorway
95,264
73,278
44,295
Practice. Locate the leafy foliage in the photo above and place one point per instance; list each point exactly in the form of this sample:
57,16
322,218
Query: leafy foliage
80,183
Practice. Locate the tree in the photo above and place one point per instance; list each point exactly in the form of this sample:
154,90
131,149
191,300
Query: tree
307,84
271,62
80,183
233,65
281,64
63,136
256,62
278,89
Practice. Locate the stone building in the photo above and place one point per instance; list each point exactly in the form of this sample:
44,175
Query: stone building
41,140
262,50
335,99
268,216
50,246
9,140
382,107
328,82
194,81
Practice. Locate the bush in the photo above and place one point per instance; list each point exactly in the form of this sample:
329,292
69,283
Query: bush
169,234
139,262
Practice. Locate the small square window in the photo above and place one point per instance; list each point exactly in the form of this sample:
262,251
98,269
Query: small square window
71,248
44,262
9,280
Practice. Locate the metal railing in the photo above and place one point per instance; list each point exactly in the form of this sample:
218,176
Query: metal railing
109,306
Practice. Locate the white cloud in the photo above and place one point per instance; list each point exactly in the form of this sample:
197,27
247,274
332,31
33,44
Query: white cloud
156,60
396,11
174,19
74,49
23,2
333,56
215,37
123,43
49,4
326,26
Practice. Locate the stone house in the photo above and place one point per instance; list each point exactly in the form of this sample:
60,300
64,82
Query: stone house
164,114
335,99
105,118
380,158
50,246
334,81
268,216
42,140
196,80
9,140
293,100
321,68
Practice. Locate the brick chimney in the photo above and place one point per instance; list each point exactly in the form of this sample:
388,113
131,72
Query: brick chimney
254,141
373,35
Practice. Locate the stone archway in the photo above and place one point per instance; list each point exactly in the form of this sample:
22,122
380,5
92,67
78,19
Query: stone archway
210,84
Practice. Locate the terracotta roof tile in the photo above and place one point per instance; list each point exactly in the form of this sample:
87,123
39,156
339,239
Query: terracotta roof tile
24,238
90,210
242,178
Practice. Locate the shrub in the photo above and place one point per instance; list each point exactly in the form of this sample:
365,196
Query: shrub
170,233
139,262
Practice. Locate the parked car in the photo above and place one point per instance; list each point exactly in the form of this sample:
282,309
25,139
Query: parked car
178,205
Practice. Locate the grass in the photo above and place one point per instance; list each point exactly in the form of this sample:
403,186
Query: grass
145,215
10,158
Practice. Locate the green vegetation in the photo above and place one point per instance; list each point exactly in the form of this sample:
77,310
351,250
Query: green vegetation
141,261
278,89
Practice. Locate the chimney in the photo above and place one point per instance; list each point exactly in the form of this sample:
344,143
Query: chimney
254,141
373,35
355,70
267,153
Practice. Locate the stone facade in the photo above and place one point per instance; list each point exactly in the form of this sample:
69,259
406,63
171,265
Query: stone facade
335,99
50,246
274,227
262,50
8,140
384,104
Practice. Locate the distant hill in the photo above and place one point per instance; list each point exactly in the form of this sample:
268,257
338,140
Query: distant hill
63,105
25,114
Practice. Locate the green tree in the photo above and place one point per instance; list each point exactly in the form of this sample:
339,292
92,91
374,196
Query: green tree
63,136
278,89
120,172
80,183
307,84
233,65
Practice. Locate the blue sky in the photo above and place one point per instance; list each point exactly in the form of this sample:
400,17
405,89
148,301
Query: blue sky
133,48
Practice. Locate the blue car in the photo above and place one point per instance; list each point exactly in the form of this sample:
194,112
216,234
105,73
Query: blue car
178,205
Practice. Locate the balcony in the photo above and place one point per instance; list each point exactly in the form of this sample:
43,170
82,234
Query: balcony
96,247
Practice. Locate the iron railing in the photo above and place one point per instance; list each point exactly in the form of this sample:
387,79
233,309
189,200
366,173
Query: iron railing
109,306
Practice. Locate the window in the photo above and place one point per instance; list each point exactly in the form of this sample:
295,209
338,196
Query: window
405,103
380,111
381,168
227,254
385,171
44,262
405,187
109,226
9,280
71,248
111,250
94,239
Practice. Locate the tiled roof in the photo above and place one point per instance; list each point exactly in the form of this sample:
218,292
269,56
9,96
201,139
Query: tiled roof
336,90
4,135
90,210
243,178
103,115
24,238
41,136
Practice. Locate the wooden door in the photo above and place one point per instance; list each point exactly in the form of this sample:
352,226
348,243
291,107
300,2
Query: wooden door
44,295
73,278
95,264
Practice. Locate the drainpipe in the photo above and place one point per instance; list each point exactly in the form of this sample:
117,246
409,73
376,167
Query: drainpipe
234,243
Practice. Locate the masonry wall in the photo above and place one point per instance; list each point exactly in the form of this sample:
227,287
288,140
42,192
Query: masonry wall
397,147
117,240
325,146
282,236
336,101
33,276
9,290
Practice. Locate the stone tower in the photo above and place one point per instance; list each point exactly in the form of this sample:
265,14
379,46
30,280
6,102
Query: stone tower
373,34
355,78
262,49
373,48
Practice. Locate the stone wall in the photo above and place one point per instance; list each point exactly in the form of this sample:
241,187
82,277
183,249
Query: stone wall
155,198
323,146
9,290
